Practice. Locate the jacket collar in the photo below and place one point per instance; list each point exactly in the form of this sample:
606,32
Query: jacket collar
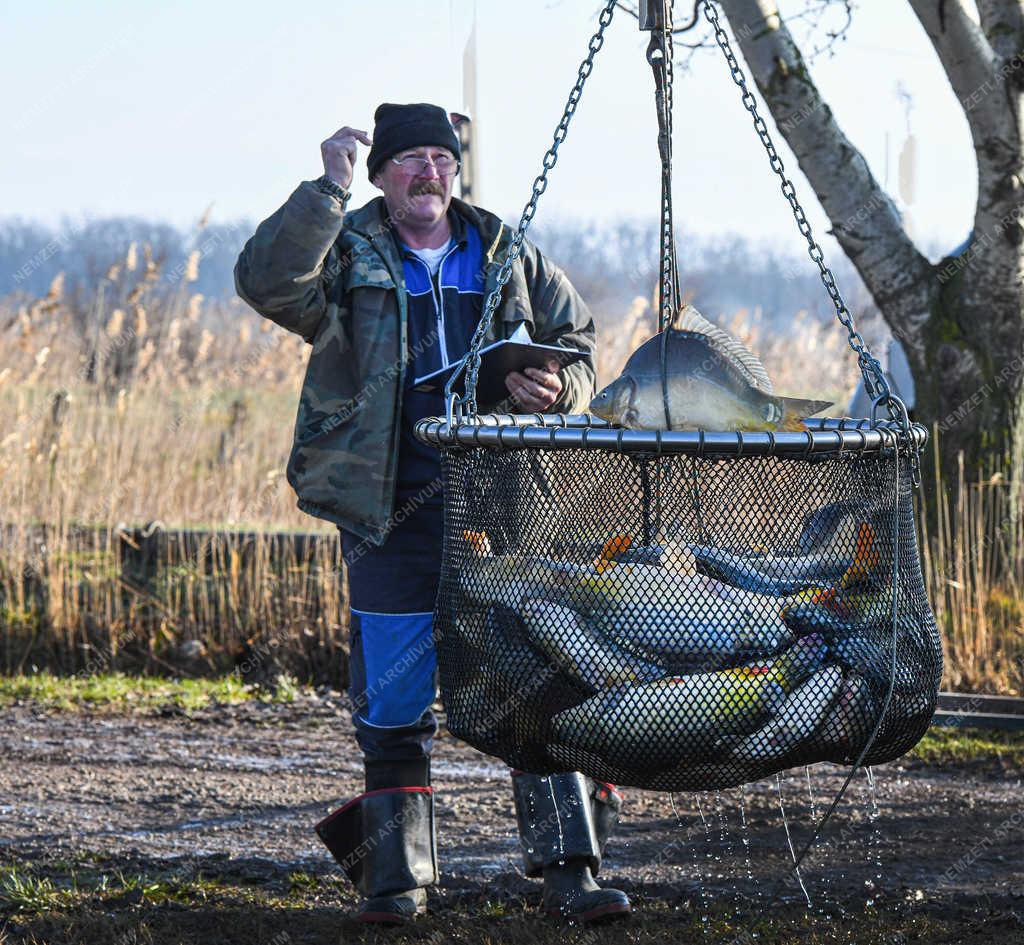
370,221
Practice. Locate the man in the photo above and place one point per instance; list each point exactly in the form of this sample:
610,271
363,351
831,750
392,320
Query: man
385,294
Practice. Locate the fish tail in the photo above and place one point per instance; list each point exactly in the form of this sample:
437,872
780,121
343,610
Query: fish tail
796,409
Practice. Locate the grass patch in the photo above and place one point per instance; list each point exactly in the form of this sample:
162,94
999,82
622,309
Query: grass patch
238,916
82,903
25,893
122,692
953,746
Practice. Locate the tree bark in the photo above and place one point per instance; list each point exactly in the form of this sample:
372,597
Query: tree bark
961,321
1002,22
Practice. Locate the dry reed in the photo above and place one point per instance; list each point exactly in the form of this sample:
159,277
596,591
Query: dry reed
149,402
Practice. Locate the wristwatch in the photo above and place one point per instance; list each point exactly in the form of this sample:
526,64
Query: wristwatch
328,185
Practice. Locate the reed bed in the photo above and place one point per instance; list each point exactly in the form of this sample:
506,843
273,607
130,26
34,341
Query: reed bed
142,403
974,572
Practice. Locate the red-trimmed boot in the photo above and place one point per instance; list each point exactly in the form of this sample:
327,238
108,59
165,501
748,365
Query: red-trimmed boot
564,823
386,843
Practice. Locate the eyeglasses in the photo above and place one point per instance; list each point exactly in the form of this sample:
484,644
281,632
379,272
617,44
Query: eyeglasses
413,164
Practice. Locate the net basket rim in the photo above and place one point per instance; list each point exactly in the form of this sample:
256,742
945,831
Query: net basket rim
828,435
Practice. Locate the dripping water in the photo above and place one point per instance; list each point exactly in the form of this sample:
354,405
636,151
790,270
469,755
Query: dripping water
726,851
874,838
725,842
789,840
704,870
823,876
692,847
747,863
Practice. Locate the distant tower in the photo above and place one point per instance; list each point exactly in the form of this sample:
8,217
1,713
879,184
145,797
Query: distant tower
894,359
468,125
908,160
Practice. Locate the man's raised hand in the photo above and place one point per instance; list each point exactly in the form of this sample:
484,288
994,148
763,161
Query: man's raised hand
339,153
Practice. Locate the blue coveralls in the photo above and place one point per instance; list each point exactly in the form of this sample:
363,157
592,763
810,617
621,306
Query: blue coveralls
392,664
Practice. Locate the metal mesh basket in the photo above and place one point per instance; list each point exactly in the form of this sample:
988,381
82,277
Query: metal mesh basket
681,611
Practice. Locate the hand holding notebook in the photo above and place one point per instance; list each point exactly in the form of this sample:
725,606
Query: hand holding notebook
497,361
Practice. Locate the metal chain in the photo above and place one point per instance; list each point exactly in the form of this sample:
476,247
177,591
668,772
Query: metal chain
869,364
472,362
669,76
875,383
659,56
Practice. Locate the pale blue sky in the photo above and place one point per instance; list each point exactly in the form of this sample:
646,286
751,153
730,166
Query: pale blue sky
159,109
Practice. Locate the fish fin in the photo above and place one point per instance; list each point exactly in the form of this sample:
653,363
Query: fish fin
865,560
616,545
478,541
613,547
749,364
796,409
865,557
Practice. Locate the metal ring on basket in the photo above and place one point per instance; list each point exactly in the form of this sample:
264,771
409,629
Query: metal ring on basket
824,437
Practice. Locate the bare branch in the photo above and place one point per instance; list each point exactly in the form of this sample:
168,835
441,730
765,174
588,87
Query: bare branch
1003,24
815,13
970,64
864,218
989,91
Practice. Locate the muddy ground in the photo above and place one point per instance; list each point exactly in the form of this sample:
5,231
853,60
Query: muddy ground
224,801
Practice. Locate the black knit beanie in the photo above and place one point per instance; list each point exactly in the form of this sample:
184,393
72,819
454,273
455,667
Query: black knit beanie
398,127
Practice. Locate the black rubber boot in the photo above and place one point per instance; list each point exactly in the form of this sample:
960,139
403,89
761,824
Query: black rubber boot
564,822
414,772
386,844
605,804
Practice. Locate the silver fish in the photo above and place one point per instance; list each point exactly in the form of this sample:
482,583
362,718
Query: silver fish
847,554
848,723
834,526
696,774
513,687
572,758
688,620
796,719
683,714
666,718
713,382
511,580
571,643
777,576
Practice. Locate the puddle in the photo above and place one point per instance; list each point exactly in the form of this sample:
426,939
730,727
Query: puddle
464,769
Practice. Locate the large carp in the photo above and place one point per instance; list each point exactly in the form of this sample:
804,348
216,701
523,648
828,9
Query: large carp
713,383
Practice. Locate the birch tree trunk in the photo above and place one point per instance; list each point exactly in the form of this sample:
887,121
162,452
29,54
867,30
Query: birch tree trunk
961,320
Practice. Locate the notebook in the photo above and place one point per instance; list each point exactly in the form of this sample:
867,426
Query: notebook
496,361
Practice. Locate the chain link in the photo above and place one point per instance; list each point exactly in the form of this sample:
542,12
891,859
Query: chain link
472,362
660,56
875,383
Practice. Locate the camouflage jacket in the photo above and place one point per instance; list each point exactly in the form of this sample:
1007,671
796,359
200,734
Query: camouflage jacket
335,278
